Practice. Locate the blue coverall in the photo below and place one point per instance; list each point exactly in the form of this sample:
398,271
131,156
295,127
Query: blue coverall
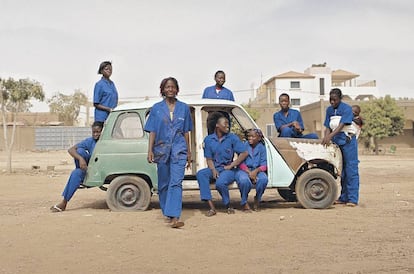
349,148
170,153
256,158
280,119
221,152
224,93
84,149
105,94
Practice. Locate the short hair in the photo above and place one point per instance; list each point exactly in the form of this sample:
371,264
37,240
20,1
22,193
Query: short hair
284,94
103,65
217,72
337,92
164,82
98,124
357,107
212,120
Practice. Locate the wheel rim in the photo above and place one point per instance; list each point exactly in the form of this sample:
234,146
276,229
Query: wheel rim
317,189
128,195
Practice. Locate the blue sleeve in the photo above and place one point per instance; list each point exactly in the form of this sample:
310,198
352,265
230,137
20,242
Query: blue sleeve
208,153
85,144
188,123
151,124
238,145
327,117
205,94
97,93
277,121
300,121
263,156
231,96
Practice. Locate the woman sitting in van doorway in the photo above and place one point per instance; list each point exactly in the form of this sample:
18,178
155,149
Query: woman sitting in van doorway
253,169
288,121
219,149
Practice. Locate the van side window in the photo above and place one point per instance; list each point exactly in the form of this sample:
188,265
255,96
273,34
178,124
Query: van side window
128,126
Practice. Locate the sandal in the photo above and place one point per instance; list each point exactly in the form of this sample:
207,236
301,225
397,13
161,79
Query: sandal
177,224
56,209
339,202
230,210
246,208
351,204
211,212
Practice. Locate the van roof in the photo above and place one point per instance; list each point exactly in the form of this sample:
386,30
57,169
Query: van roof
144,104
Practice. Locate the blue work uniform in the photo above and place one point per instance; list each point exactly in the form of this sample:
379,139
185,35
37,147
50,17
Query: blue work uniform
170,152
280,119
349,148
84,149
221,151
105,94
224,93
256,158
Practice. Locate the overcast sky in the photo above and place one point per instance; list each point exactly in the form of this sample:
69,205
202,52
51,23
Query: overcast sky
61,43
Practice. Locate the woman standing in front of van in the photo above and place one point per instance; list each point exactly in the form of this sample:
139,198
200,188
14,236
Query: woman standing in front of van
169,124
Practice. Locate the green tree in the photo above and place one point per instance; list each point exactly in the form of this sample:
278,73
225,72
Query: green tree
15,98
382,118
254,113
67,106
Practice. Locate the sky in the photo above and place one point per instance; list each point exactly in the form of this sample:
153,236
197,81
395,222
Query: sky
61,43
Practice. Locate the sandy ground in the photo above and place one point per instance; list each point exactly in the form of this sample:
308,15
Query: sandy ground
375,237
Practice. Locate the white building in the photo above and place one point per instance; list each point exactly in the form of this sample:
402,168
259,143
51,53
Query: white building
313,85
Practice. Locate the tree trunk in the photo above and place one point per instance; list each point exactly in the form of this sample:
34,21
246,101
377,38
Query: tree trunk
376,146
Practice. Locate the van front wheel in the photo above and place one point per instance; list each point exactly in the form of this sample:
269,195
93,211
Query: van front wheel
128,193
316,188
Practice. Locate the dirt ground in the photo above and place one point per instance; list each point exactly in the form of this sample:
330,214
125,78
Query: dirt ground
375,237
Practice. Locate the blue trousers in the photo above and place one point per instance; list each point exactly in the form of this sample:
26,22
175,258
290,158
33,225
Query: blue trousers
76,177
350,174
289,132
245,184
226,177
170,189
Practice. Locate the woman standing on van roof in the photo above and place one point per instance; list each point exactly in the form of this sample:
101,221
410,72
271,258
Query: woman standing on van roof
105,95
218,91
169,124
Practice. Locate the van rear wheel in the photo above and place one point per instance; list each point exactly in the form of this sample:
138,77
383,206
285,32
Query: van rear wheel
316,188
128,193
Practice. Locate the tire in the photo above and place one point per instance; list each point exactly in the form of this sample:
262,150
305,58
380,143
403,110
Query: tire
316,188
287,194
128,193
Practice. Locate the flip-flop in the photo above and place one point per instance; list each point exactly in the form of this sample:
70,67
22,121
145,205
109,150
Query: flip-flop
177,224
211,212
56,209
351,204
339,202
230,210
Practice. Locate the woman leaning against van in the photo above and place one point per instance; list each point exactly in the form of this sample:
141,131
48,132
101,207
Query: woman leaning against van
169,124
338,116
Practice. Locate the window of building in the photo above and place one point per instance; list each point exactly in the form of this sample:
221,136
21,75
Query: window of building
321,86
295,101
128,126
294,84
271,130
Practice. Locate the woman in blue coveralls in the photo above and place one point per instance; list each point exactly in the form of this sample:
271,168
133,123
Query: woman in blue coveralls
219,149
105,95
169,124
252,171
218,91
348,145
81,152
288,121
